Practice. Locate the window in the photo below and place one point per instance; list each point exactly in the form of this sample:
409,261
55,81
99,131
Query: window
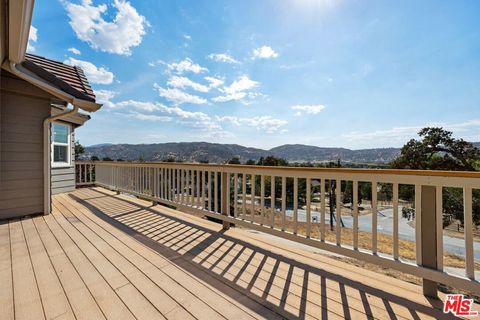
60,145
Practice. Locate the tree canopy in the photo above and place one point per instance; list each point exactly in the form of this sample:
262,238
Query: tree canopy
438,150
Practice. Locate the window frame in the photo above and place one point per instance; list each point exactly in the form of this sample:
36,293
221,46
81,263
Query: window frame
58,164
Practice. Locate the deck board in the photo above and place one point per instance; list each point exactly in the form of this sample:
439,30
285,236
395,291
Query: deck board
102,255
6,294
25,287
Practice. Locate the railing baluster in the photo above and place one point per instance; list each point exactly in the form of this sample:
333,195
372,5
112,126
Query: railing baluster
284,202
244,196
439,221
215,188
272,200
468,233
227,195
252,189
262,198
204,189
418,223
322,209
198,175
308,190
395,222
338,212
374,217
210,193
355,213
187,186
295,205
235,195
178,186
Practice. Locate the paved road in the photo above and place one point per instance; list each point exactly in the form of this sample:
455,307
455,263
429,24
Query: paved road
385,225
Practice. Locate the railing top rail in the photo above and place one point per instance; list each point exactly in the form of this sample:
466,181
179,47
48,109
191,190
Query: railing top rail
85,161
403,172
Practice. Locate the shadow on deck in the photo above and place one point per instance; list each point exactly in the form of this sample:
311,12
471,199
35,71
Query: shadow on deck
265,279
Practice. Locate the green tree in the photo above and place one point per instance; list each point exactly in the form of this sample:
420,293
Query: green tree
438,150
79,149
272,161
234,160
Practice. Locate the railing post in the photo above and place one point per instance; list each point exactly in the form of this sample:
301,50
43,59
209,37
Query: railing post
224,195
429,237
152,184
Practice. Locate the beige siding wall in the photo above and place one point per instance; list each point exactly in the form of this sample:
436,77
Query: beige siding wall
23,109
63,179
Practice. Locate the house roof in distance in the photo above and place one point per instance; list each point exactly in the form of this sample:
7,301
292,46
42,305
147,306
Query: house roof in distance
70,79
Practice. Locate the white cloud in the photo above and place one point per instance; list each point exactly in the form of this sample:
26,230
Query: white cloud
177,96
237,90
214,82
93,73
263,123
105,97
32,37
187,37
186,65
264,52
147,117
184,82
399,135
192,119
118,36
74,51
222,57
308,109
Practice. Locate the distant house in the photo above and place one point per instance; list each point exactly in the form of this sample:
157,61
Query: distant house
40,100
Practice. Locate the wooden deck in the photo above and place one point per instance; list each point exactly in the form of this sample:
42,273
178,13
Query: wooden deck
100,255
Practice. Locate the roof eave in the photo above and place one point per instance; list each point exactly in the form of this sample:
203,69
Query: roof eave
19,21
23,73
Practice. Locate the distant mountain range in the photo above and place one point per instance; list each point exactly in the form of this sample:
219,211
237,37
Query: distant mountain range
220,153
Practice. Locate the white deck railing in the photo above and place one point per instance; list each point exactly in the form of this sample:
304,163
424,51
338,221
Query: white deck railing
230,193
84,173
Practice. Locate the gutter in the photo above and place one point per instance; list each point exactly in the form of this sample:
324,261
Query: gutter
47,188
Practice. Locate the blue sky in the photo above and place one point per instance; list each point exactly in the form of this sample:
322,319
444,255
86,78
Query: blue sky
337,73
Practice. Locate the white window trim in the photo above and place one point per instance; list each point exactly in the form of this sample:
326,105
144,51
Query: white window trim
68,144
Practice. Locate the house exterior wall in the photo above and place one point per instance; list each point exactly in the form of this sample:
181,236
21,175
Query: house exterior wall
63,179
23,109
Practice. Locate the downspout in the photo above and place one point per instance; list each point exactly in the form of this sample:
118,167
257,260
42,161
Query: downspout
47,187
